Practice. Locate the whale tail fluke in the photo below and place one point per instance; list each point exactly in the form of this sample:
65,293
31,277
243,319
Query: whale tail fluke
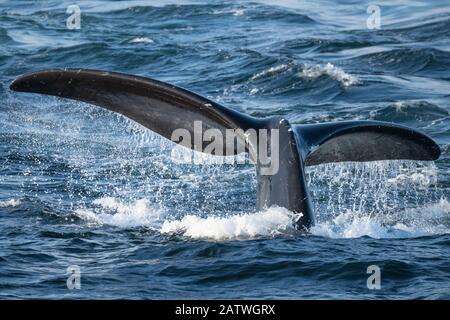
163,108
158,106
362,141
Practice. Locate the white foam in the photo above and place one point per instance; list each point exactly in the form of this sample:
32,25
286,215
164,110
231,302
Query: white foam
12,203
313,72
431,219
142,40
271,222
116,213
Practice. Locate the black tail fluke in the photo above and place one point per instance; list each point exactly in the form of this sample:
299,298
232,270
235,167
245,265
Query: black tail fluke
159,106
164,108
364,141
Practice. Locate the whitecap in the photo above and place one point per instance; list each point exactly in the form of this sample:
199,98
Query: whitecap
313,72
142,40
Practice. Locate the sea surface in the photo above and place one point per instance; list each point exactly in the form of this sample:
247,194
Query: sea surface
83,189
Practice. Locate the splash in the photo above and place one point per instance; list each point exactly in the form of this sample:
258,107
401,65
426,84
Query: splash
271,222
12,203
314,72
423,178
429,220
381,199
371,187
110,211
386,199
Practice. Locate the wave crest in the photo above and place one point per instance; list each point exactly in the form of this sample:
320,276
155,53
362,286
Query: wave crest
314,72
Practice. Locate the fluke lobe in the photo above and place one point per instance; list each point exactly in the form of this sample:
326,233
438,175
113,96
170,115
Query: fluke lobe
163,108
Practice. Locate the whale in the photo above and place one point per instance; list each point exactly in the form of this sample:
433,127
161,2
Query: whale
164,108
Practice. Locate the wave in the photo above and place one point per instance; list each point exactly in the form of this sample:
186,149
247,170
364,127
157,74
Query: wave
419,114
309,72
272,13
33,39
419,61
270,72
314,72
286,79
429,28
320,45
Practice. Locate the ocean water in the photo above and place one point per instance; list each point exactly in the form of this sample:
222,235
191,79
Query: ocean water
83,187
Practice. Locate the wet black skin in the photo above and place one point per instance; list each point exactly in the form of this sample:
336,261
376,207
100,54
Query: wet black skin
162,108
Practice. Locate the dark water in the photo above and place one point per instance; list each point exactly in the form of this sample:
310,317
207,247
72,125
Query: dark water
83,186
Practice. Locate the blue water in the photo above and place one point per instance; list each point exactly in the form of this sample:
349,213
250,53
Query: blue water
82,186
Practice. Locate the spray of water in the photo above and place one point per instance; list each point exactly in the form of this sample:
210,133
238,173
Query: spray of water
127,180
387,199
